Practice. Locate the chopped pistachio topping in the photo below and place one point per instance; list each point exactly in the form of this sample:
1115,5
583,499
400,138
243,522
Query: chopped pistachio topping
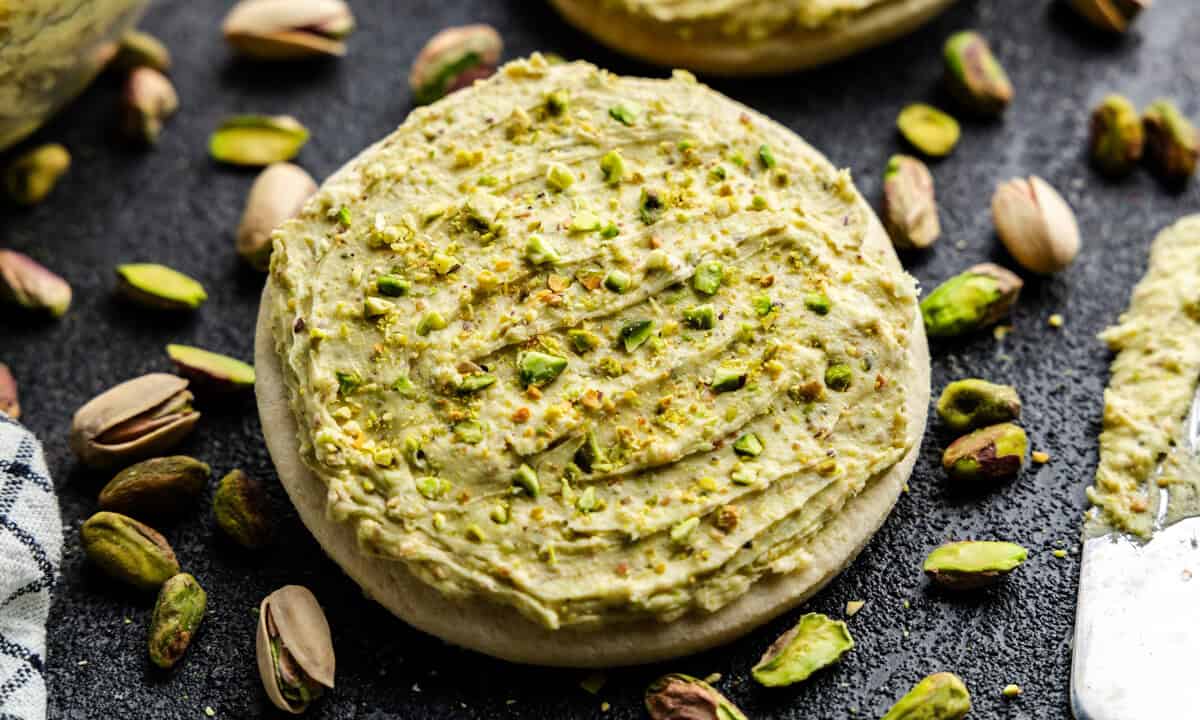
728,379
431,321
624,114
538,368
374,307
583,341
766,156
818,303
432,488
748,445
392,285
708,277
559,177
475,382
540,252
617,280
762,305
348,382
650,206
634,334
557,102
587,501
701,317
838,377
526,479
469,431
681,533
590,456
584,221
613,167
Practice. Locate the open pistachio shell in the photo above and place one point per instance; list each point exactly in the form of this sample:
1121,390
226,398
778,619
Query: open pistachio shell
256,140
288,29
149,99
814,643
159,287
140,418
294,648
9,402
682,697
211,371
453,59
277,195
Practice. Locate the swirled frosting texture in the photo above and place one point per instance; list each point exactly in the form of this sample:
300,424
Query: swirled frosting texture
753,19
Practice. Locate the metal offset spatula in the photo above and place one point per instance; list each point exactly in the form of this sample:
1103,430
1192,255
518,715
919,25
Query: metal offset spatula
1137,626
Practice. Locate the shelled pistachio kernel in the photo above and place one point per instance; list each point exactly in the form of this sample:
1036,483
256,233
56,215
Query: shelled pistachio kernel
1172,141
928,129
159,287
975,76
257,140
1117,138
31,177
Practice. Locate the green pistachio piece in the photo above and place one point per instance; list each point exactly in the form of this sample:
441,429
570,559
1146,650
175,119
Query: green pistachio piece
973,564
766,156
177,615
584,221
583,341
818,303
708,277
348,382
469,432
431,321
158,488
374,307
1172,142
444,264
910,212
635,333
749,445
975,76
1117,137
432,488
242,510
455,58
681,532
1114,16
625,114
31,177
815,643
404,385
701,317
559,177
526,479
613,167
617,281
970,404
971,301
682,697
256,140
610,231
392,286
938,697
928,129
159,287
10,404
148,100
991,453
540,252
650,205
728,378
26,283
414,454
538,368
128,551
140,49
762,305
557,102
211,371
590,457
475,382
587,501
839,377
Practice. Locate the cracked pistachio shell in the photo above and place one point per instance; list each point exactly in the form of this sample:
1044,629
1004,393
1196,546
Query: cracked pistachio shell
970,404
682,697
814,643
1036,224
10,404
289,29
991,453
973,564
242,510
128,550
454,59
294,648
970,301
140,418
256,140
277,195
157,488
1172,143
910,211
31,177
25,282
210,371
928,129
1112,15
141,49
177,615
975,76
941,696
148,99
159,287
1117,138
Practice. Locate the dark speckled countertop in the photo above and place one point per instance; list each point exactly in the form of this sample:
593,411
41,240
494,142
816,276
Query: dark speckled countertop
174,205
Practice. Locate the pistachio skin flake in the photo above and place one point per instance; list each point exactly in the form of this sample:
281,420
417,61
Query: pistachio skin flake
992,453
257,140
814,643
454,59
159,287
974,75
31,177
942,696
1172,142
971,301
163,487
128,551
910,212
1118,139
683,697
972,565
28,284
970,404
928,129
10,404
177,615
242,510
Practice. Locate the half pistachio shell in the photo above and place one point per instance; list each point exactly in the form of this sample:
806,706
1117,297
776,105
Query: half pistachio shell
289,29
210,371
157,488
141,49
941,696
454,59
814,643
25,282
149,99
159,287
973,564
277,195
928,129
128,551
140,418
10,404
256,140
294,648
31,177
910,211
682,697
1036,224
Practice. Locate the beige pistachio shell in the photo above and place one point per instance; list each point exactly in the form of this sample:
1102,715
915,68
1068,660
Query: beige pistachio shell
137,419
453,59
9,401
293,615
141,49
25,282
288,29
277,195
149,98
1036,224
910,211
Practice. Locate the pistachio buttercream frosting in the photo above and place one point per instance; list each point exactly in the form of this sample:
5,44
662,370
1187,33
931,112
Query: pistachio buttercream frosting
596,348
751,19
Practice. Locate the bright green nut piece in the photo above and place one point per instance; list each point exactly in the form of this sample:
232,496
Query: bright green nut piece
973,564
1172,142
584,221
211,371
975,76
928,129
242,510
728,379
392,285
650,205
942,696
625,114
678,696
617,281
31,177
971,301
177,615
469,432
538,368
818,303
128,551
583,340
557,102
540,252
992,453
432,488
347,382
590,456
526,480
164,487
587,502
430,322
815,643
257,140
970,404
700,317
1118,139
681,532
635,333
749,445
767,157
475,382
159,287
613,167
839,377
762,305
559,177
708,277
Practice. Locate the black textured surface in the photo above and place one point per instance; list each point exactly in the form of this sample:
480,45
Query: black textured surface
174,205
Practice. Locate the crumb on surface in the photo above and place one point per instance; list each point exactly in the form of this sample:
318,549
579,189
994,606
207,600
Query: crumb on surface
1056,320
1011,691
854,606
1041,458
1060,553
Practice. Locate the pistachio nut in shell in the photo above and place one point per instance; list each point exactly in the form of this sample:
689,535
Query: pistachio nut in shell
1036,224
1111,15
25,282
910,211
970,404
970,301
454,59
682,697
148,99
294,648
972,565
257,140
31,177
1117,139
942,696
1172,143
139,418
975,76
128,550
288,29
928,129
278,194
814,643
177,615
211,372
10,404
163,487
141,49
242,510
996,452
159,287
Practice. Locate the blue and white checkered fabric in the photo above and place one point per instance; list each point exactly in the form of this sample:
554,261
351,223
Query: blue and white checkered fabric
30,551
